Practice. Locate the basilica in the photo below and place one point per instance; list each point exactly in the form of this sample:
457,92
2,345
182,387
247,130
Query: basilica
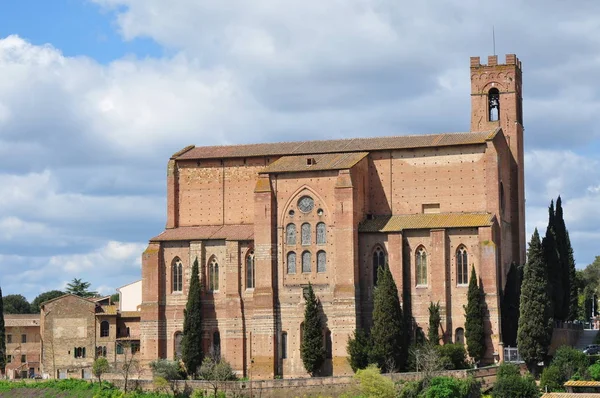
264,220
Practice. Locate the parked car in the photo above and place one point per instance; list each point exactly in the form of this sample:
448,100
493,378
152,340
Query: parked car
592,350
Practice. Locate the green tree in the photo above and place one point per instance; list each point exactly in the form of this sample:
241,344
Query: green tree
358,349
434,323
114,298
99,367
474,328
16,304
555,271
535,321
191,343
387,331
43,297
312,351
510,305
2,336
567,264
373,384
80,288
216,371
574,283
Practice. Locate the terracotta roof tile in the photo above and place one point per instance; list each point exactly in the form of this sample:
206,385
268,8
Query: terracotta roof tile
107,310
582,383
328,161
336,146
227,232
425,221
570,395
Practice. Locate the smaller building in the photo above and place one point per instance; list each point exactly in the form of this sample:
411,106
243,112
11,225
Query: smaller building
23,345
76,330
130,296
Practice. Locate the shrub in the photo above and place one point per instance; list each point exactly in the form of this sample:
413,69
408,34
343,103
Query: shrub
358,348
569,361
515,387
508,369
373,384
410,389
448,387
454,356
551,379
168,370
594,371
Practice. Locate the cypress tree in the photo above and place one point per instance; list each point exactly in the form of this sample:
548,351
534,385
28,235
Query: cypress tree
434,323
312,351
510,305
474,328
563,246
551,258
387,334
535,321
2,337
191,343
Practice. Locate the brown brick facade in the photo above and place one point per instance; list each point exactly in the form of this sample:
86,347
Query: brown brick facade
229,204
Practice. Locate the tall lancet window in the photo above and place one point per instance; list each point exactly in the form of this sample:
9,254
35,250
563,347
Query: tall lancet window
494,104
290,232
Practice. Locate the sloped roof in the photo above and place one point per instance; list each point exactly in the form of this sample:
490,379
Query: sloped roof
227,232
335,146
582,383
130,314
425,221
328,161
107,310
570,395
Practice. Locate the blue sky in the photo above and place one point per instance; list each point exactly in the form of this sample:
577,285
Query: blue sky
96,95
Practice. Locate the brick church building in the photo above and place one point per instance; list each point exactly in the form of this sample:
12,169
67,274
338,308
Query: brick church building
264,220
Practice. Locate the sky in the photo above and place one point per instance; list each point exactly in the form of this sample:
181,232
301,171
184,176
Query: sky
95,95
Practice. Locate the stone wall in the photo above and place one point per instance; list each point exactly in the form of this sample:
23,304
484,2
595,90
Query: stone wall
564,334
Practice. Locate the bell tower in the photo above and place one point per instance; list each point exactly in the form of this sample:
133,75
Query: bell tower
496,101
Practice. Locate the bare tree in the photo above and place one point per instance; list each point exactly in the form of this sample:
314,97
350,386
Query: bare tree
427,360
216,371
130,365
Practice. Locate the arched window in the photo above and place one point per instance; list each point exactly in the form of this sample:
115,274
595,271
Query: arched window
321,261
250,270
494,104
284,343
328,345
290,234
104,329
321,233
217,344
291,263
177,338
378,261
306,258
462,267
305,234
421,263
501,194
459,336
177,275
213,275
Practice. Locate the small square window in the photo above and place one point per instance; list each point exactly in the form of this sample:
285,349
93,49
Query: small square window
8,358
9,339
23,358
23,338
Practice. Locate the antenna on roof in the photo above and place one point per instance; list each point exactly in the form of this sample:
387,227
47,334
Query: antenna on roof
494,39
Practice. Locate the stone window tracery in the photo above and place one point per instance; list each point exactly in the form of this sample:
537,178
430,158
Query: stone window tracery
177,273
306,259
306,204
250,270
290,233
213,275
291,263
462,267
378,262
305,230
321,261
177,344
421,265
321,233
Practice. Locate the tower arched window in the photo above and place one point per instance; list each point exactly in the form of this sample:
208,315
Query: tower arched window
290,234
328,344
321,261
250,270
291,262
213,275
421,265
177,274
462,267
494,104
104,329
321,233
459,336
305,231
306,259
378,262
217,344
177,338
